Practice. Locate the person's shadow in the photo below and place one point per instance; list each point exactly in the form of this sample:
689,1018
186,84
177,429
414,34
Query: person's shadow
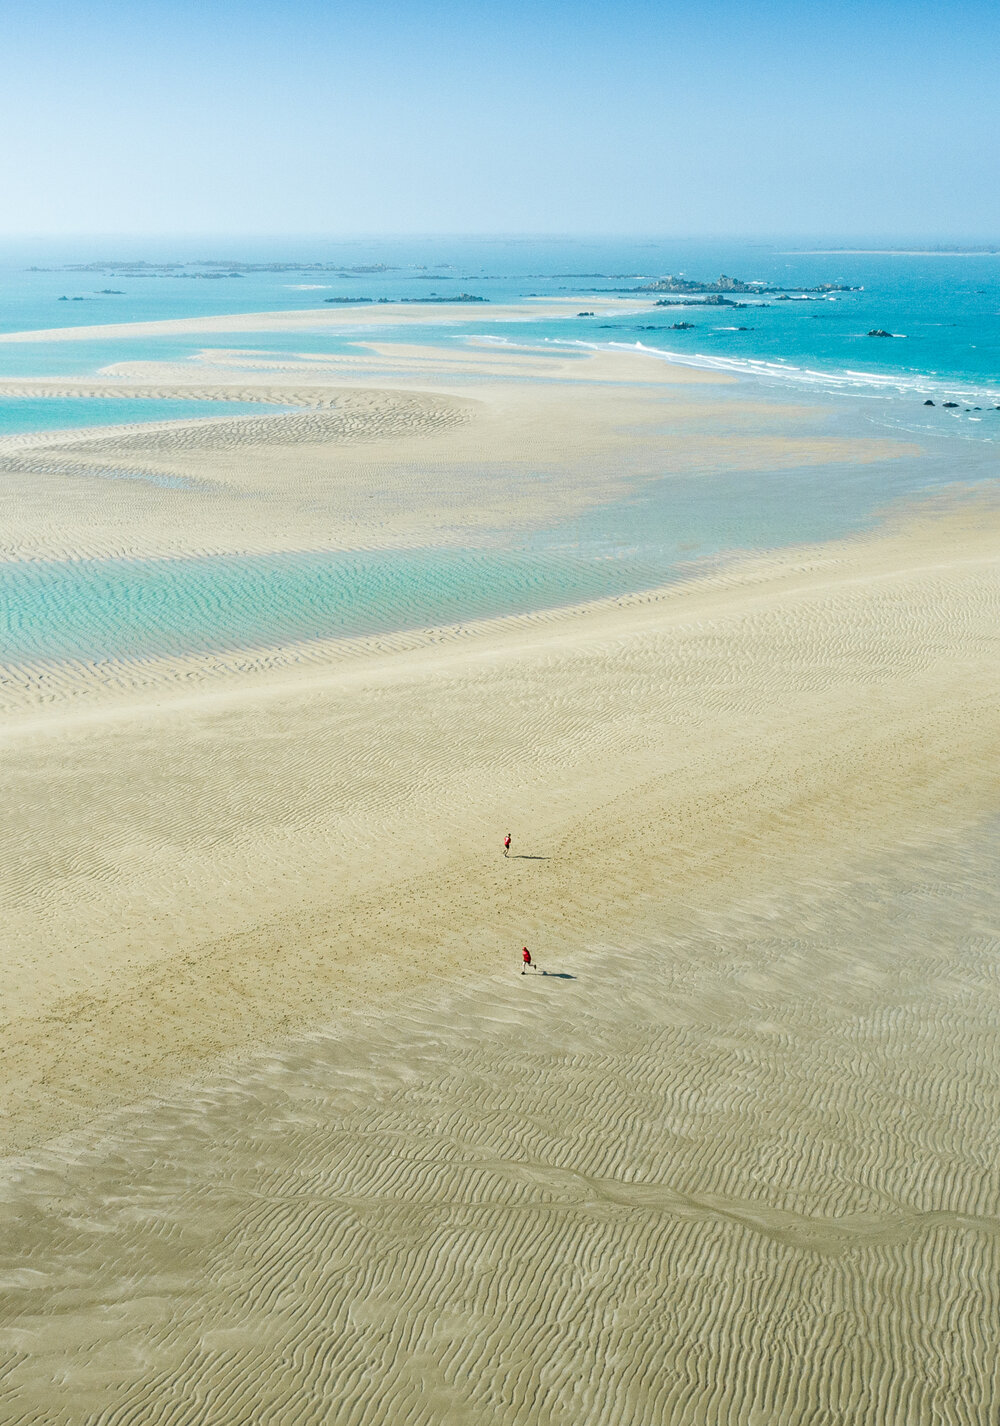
527,857
557,974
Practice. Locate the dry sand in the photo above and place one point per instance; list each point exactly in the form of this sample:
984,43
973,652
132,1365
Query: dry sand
739,1169
191,873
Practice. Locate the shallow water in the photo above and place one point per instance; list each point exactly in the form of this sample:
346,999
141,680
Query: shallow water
99,609
20,415
134,609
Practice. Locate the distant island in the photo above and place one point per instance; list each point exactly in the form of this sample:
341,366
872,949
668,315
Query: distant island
734,284
378,301
216,268
942,250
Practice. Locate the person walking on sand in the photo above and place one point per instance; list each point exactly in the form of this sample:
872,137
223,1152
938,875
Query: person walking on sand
506,845
528,962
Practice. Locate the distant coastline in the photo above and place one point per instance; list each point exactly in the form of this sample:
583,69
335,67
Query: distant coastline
892,252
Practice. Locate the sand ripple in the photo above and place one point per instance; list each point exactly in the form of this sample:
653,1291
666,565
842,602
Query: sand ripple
371,416
354,417
744,1175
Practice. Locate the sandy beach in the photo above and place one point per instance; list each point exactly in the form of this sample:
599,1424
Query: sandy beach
291,1140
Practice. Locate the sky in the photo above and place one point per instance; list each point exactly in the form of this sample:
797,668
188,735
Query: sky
434,116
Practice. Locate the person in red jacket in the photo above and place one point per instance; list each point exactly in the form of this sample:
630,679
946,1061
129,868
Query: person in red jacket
526,957
506,845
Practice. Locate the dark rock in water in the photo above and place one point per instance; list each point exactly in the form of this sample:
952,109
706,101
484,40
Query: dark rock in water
63,299
952,404
977,408
879,332
584,314
433,297
744,329
928,403
689,327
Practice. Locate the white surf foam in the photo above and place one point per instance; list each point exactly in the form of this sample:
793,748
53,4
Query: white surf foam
860,383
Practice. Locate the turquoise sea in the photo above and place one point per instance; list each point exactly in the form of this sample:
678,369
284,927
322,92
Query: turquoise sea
20,415
943,308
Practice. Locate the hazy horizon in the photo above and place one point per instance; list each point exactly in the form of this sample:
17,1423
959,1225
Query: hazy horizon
188,245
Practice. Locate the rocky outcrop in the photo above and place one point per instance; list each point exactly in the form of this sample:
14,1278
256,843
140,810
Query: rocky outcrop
730,284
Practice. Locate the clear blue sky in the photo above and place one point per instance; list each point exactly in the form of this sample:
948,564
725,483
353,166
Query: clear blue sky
233,116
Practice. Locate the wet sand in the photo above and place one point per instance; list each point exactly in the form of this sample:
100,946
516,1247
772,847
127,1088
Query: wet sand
389,449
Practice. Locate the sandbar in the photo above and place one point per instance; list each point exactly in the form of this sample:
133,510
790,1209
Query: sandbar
390,447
